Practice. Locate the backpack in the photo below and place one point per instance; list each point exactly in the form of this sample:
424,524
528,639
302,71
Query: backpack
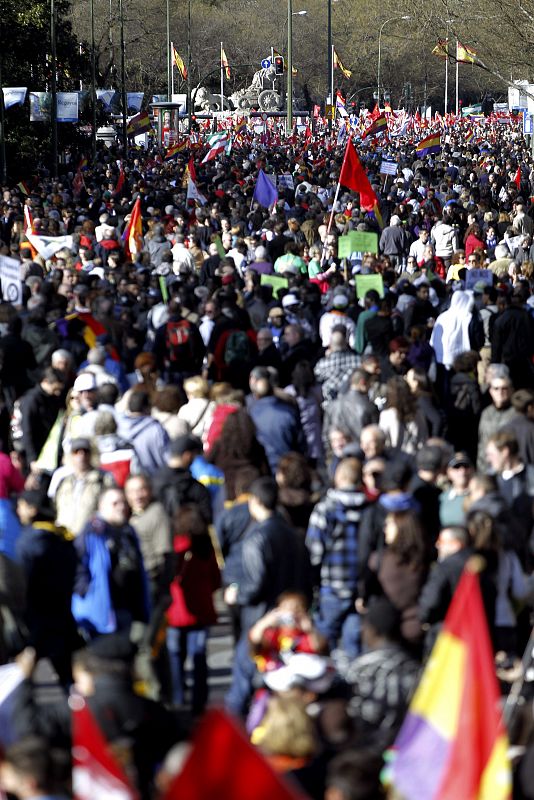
179,340
237,348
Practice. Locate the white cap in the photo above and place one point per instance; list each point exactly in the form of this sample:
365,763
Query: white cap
86,382
340,300
290,300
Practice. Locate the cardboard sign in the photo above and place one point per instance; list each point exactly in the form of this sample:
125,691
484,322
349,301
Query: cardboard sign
478,275
357,242
366,282
275,281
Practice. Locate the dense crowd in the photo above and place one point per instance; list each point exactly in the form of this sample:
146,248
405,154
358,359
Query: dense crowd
182,437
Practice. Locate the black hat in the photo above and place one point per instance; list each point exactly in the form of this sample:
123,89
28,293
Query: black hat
429,458
185,444
460,459
80,444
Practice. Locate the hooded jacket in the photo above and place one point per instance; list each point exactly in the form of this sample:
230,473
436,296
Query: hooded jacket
149,440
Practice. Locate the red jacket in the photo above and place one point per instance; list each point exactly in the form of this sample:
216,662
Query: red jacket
193,587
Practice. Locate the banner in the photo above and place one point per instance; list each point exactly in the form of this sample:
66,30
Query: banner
47,246
67,106
105,96
10,280
14,95
134,101
40,104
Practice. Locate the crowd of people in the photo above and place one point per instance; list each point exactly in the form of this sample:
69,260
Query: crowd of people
182,438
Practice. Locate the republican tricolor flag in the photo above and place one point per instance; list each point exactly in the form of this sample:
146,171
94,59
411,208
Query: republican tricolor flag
453,744
430,144
173,151
378,126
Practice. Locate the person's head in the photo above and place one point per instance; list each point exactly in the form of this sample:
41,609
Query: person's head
287,730
523,402
479,487
276,317
371,365
260,382
338,440
460,471
429,462
263,499
451,540
399,397
264,339
196,386
85,388
139,403
338,339
359,381
293,604
80,456
502,451
293,472
418,381
183,451
398,351
483,531
138,493
53,382
32,768
30,506
372,471
372,441
348,474
293,334
113,508
63,361
355,775
404,536
501,390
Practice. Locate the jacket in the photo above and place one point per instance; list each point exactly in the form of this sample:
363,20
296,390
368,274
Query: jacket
278,428
149,440
76,500
445,239
192,589
175,487
274,561
231,527
351,412
39,412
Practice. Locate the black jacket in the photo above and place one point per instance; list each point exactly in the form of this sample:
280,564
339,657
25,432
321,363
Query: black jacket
39,412
176,487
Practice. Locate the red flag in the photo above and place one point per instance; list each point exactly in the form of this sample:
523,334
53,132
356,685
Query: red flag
375,113
192,170
517,178
223,765
96,775
353,177
120,181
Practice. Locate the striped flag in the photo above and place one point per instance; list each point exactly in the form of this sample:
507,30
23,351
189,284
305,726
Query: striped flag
453,742
340,105
138,124
338,64
179,63
430,144
173,151
441,50
23,187
378,126
218,143
225,65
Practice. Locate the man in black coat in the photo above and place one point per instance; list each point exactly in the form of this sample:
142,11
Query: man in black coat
512,340
40,407
174,486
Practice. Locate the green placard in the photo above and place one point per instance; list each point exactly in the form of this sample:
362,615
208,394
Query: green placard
366,282
357,242
164,290
219,245
275,281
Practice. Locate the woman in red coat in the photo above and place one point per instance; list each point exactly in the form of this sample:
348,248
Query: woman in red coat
474,240
191,611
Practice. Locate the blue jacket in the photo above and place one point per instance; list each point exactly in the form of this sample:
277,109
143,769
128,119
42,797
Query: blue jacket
149,440
278,428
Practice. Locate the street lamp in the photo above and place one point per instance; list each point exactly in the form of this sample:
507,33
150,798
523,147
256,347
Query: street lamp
391,19
290,15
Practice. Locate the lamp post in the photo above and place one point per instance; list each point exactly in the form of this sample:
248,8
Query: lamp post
290,15
168,49
124,101
93,78
391,19
330,60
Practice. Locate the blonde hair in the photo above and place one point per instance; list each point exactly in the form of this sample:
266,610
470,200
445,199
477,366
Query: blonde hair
197,386
287,729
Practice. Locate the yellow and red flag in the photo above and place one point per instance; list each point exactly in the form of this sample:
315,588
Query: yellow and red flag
179,63
464,54
224,64
338,64
454,722
133,233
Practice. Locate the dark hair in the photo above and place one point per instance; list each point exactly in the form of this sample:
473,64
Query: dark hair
170,398
108,394
409,545
356,775
34,757
265,491
303,378
400,397
52,375
466,362
294,471
483,531
399,343
139,402
505,438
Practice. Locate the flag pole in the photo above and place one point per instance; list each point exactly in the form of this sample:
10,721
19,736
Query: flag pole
222,79
457,73
171,68
331,219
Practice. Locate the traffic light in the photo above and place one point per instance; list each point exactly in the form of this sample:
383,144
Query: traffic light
278,65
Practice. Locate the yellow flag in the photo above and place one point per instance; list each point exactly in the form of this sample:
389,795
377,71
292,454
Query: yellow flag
441,50
339,65
464,54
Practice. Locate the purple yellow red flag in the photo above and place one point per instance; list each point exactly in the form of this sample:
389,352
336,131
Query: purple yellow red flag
378,126
430,144
173,151
453,743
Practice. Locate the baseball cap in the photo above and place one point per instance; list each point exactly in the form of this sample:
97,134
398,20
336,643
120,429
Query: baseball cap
86,382
80,443
340,301
290,300
460,459
184,444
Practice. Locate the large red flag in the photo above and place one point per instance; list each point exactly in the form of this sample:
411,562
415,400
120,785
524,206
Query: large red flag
517,178
223,765
353,177
96,775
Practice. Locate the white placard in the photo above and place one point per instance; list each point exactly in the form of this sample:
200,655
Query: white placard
10,280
